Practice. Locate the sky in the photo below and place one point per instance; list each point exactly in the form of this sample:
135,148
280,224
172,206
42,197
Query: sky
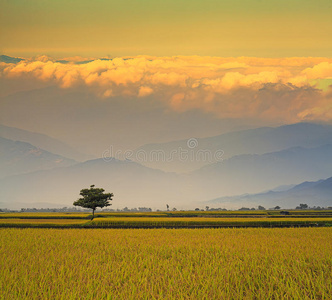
260,28
126,73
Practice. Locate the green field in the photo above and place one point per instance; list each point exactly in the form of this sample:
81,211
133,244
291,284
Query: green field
252,263
132,222
181,219
41,215
153,222
35,222
178,219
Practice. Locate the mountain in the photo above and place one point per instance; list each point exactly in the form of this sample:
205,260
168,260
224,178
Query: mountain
9,60
20,157
132,184
42,141
252,173
81,119
188,155
317,193
136,185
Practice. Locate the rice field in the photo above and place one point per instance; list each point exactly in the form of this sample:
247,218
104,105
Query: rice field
162,220
251,263
42,215
40,222
159,222
132,222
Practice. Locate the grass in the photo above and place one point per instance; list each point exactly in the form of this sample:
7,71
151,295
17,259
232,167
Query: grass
287,263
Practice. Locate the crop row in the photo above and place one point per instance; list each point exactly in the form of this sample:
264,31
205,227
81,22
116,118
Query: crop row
212,222
150,222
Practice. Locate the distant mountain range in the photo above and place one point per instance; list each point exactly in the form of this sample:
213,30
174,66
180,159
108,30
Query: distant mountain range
251,173
42,141
137,185
188,155
20,157
132,184
317,193
32,174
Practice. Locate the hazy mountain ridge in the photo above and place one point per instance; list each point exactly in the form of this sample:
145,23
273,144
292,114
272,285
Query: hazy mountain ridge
138,185
252,141
252,173
317,193
18,157
132,184
42,141
91,125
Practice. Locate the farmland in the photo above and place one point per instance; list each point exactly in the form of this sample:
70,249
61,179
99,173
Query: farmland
248,263
166,255
205,222
37,222
179,219
153,222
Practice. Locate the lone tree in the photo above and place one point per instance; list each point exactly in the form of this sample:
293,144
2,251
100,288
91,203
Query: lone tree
93,198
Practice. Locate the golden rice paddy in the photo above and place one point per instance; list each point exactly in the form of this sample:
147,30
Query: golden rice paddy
247,263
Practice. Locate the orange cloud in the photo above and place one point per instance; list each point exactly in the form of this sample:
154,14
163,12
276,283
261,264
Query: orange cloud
322,70
280,88
145,91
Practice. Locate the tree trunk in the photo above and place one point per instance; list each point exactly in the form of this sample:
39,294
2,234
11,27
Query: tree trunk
93,213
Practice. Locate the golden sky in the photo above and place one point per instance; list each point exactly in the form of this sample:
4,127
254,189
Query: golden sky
260,28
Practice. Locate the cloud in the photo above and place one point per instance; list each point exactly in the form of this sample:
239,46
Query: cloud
145,91
320,110
171,78
281,88
322,70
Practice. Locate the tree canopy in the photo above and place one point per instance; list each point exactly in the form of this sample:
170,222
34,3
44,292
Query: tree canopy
93,198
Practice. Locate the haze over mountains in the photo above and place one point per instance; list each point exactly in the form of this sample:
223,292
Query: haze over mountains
133,184
31,175
310,193
251,173
252,141
92,125
19,157
42,141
